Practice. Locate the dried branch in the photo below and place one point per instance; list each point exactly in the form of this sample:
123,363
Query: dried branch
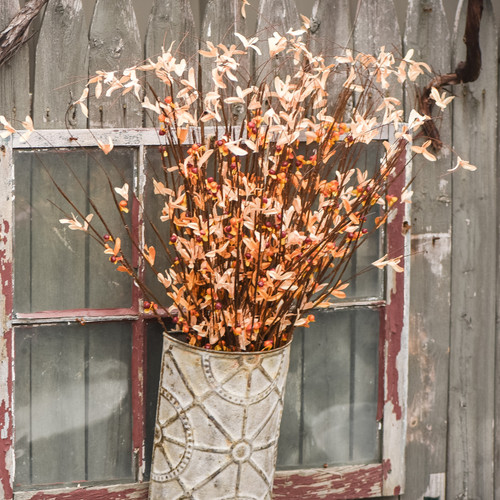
15,35
465,72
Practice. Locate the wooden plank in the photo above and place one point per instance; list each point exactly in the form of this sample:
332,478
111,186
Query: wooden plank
61,66
115,44
375,26
14,75
426,29
170,21
330,33
222,18
279,16
114,492
472,351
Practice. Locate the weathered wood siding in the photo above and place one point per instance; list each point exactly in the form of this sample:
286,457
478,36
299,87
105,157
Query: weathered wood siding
452,447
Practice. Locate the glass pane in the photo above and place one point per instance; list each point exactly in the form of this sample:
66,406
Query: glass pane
57,268
331,395
368,279
157,233
73,403
154,351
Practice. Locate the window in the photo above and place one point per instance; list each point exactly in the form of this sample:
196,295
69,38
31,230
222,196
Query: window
86,358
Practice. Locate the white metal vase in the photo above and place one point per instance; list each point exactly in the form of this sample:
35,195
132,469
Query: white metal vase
217,423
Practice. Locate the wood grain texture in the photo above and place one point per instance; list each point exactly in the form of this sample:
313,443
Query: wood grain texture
275,16
375,26
472,350
170,21
330,33
61,66
426,29
222,18
115,44
14,75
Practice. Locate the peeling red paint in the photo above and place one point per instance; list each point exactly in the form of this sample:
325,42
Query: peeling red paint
138,389
6,410
350,484
397,490
93,494
386,468
394,317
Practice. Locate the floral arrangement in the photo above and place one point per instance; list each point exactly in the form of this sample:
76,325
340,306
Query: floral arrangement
261,218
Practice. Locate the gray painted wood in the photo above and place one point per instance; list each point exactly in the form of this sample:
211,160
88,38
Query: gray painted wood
427,29
375,26
14,75
222,18
61,66
115,44
275,16
472,350
170,21
331,33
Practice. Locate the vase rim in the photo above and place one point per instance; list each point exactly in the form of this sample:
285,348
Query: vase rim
185,345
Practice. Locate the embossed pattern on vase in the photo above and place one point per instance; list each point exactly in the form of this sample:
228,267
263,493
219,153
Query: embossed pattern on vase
217,423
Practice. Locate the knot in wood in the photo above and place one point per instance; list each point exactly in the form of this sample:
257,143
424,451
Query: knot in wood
315,24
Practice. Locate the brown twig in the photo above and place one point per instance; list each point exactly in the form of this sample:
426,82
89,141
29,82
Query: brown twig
465,72
16,34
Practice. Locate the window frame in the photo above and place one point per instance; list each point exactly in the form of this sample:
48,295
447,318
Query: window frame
353,481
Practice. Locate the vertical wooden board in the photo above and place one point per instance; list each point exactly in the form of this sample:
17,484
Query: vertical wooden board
426,29
61,66
376,26
109,402
222,18
331,34
114,45
170,21
58,405
472,351
275,16
14,75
